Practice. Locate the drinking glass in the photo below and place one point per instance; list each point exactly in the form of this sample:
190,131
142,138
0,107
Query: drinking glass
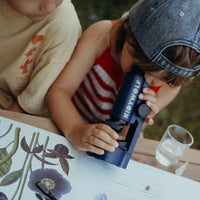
175,141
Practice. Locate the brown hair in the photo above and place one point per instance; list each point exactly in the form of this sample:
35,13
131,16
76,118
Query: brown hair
179,55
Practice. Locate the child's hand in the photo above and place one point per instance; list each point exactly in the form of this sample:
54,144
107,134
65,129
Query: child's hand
149,96
94,138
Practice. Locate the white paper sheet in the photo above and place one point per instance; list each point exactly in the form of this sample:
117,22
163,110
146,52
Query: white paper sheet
98,180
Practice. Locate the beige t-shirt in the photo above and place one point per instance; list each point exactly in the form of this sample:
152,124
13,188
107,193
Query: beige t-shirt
32,54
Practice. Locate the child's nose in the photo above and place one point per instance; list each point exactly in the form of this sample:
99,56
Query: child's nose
48,7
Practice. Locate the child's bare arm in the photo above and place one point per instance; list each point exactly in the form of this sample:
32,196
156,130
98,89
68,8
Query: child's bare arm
88,137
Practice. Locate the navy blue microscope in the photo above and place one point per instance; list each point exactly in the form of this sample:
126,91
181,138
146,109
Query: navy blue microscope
127,110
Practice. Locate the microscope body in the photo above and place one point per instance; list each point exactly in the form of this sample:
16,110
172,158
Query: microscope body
127,110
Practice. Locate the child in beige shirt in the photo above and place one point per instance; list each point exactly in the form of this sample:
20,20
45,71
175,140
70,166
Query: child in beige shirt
37,39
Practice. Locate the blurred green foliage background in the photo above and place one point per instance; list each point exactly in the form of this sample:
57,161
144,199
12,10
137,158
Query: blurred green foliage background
185,109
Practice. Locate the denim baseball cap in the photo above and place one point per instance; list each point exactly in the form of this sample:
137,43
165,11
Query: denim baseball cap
158,24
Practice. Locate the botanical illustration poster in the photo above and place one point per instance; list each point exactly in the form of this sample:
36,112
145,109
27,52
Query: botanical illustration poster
39,165
34,163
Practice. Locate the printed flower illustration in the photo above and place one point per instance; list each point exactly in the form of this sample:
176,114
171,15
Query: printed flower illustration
49,183
62,153
62,149
3,196
101,197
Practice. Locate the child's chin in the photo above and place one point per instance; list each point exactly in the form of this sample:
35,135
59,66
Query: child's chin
36,18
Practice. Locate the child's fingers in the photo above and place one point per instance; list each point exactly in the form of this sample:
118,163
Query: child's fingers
105,137
108,130
148,97
149,121
148,94
101,144
151,101
153,106
94,138
149,91
93,149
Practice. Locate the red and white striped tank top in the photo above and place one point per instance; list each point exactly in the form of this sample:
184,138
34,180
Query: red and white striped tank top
96,95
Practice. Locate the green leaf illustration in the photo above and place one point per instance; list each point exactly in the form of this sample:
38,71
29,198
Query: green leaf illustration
4,167
64,164
11,178
14,149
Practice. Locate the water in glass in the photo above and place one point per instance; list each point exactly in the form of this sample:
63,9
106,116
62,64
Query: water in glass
168,153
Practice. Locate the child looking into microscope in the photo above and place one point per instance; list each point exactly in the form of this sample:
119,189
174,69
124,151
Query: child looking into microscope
159,37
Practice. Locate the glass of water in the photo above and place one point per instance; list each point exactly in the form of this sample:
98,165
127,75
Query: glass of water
175,141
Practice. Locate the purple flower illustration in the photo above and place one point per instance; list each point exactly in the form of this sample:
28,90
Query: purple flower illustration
62,149
3,196
49,183
101,196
